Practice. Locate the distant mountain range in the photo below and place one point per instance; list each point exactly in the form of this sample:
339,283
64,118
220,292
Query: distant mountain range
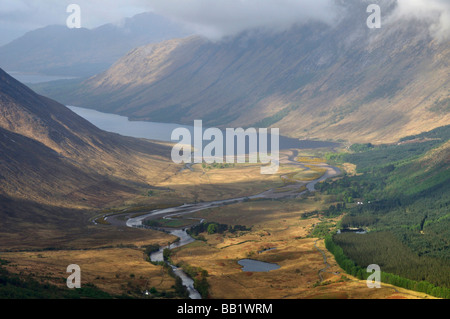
58,50
344,82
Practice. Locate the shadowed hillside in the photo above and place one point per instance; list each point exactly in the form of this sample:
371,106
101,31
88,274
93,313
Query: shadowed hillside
52,162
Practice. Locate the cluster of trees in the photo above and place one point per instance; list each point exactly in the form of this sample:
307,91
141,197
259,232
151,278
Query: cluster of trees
201,283
375,157
335,210
215,228
307,215
153,223
167,253
384,249
347,189
358,221
355,269
420,221
370,158
332,211
149,249
199,275
218,165
361,147
180,290
321,230
441,133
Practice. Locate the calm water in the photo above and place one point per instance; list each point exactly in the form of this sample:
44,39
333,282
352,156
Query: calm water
186,280
163,131
36,78
257,266
121,125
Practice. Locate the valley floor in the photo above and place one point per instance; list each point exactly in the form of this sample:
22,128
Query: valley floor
121,267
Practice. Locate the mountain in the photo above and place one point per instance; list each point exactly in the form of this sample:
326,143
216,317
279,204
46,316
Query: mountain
58,50
56,169
37,130
344,81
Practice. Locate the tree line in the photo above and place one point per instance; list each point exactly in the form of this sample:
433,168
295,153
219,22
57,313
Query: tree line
357,270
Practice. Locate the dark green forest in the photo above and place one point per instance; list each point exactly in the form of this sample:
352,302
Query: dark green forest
403,190
406,260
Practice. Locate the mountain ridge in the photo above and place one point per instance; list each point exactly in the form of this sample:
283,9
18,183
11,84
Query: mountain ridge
313,81
66,154
58,50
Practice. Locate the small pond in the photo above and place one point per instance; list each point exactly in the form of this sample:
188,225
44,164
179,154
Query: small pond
257,266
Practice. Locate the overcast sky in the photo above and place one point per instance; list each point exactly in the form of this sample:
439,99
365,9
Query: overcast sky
213,18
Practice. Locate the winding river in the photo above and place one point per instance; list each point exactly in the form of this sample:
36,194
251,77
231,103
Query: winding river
162,132
192,208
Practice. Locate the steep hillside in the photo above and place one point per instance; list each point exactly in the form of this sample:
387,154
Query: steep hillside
39,131
56,169
313,81
58,50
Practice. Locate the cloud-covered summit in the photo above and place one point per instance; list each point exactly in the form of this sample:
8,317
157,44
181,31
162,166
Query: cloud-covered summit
434,12
218,18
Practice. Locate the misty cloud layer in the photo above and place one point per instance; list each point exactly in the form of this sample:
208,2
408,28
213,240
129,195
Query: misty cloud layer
435,12
218,18
215,18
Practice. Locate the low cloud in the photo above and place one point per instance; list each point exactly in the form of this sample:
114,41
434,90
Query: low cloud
215,18
218,18
434,12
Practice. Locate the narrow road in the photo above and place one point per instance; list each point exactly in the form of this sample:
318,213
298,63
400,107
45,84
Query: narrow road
324,261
